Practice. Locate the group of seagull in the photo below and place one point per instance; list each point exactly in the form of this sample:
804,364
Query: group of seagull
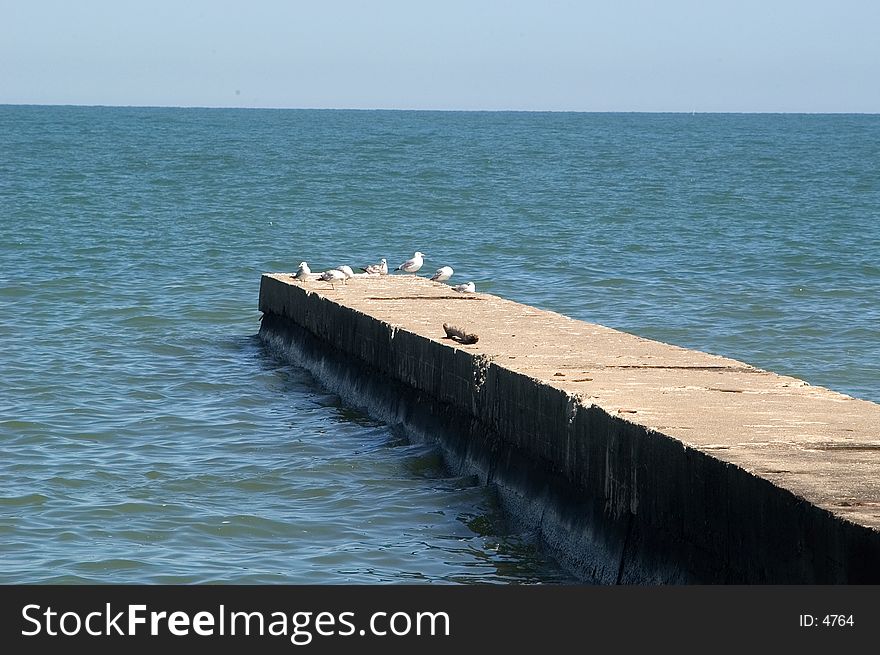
344,273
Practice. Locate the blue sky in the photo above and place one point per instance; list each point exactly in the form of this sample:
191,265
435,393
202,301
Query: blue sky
621,55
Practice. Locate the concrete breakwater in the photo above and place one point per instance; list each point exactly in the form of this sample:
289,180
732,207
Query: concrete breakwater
634,461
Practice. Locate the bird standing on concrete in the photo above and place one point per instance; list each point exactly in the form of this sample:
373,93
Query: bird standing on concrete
303,272
346,270
377,269
412,265
442,274
467,287
332,276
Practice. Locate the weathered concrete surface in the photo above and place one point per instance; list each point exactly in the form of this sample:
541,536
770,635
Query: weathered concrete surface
638,461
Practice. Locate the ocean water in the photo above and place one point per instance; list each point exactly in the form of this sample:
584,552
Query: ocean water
148,437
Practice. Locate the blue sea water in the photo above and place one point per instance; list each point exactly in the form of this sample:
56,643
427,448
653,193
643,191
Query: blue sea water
148,437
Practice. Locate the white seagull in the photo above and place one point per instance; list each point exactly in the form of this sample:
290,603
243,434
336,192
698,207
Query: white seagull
442,274
412,265
467,287
346,270
303,272
377,269
332,276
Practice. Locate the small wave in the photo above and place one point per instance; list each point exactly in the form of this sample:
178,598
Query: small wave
110,565
26,500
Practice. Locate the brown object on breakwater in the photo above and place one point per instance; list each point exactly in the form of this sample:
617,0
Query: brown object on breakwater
457,334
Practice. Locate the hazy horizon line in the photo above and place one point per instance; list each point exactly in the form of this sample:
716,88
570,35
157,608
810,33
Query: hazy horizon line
439,110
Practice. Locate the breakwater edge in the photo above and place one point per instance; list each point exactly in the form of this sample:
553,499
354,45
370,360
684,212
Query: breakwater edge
636,461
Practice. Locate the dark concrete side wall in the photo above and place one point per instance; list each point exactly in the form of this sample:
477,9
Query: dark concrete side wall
615,502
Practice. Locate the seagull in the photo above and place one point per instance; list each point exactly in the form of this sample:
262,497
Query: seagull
332,276
442,274
303,272
377,269
467,287
346,270
412,265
